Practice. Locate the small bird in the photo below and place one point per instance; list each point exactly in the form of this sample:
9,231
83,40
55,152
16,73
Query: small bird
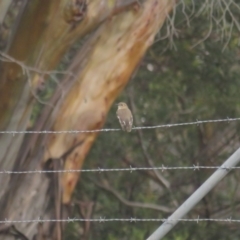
125,117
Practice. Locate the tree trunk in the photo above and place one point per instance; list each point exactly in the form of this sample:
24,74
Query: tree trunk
100,70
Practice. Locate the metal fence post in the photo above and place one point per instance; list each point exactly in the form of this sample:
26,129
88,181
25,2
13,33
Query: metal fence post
202,191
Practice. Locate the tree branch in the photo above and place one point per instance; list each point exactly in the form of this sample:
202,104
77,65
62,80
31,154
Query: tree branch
149,161
126,202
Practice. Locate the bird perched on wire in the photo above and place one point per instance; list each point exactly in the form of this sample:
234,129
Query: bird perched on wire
125,117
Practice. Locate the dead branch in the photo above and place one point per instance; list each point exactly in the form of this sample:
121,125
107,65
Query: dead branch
105,185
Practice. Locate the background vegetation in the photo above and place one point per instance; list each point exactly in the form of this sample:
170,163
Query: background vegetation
175,83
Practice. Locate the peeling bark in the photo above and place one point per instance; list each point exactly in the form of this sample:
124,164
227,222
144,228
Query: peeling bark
101,70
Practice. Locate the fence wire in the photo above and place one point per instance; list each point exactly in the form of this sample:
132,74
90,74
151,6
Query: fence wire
102,220
130,169
197,122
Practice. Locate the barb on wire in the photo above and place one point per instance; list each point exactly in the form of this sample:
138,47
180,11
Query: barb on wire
197,122
130,169
103,219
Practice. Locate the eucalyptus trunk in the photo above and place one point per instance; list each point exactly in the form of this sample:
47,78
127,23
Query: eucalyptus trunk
117,35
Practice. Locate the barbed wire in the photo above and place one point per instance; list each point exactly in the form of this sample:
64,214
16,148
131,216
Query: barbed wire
130,169
197,122
132,219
